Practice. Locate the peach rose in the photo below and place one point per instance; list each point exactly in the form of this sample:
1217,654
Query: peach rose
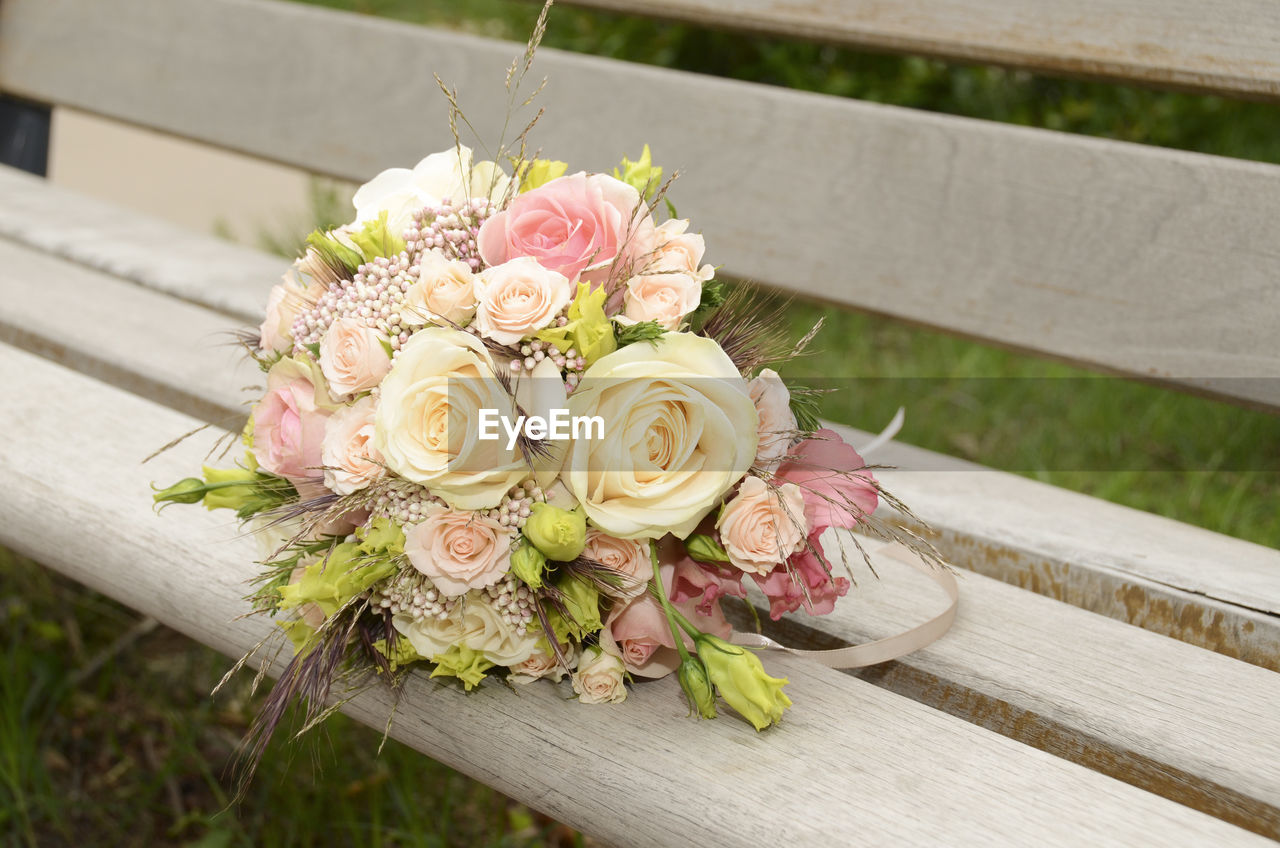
518,298
287,301
598,679
352,356
459,550
670,285
574,225
760,527
443,294
543,663
777,421
629,559
289,421
351,462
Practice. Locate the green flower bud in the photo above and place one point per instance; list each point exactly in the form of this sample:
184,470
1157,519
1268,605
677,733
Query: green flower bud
582,603
697,687
742,681
540,172
466,664
335,578
589,330
187,491
559,533
705,548
642,175
529,564
222,491
376,239
382,538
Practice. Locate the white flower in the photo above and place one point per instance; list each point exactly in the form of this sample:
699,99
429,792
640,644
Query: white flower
443,294
427,422
447,175
473,623
679,432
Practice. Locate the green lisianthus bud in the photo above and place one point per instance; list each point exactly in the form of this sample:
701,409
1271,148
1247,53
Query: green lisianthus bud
529,564
382,538
560,534
742,681
222,491
540,172
186,491
466,664
376,240
589,330
642,175
697,687
335,578
705,548
582,603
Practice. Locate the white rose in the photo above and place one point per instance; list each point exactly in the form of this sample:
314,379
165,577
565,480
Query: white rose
761,527
670,285
518,298
473,623
427,422
443,294
351,462
777,422
598,679
352,356
679,432
289,299
447,175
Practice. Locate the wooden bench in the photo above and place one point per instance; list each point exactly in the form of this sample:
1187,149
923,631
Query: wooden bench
1035,719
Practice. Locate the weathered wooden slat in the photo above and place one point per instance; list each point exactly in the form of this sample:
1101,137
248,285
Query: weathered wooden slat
1145,261
1034,669
625,774
1186,582
1227,47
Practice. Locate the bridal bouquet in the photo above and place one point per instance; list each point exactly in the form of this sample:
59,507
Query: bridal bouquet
513,426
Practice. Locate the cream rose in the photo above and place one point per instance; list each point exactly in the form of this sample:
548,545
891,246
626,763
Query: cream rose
761,527
447,175
351,462
598,679
443,294
352,357
679,432
459,551
474,624
777,421
518,298
669,287
288,299
627,558
427,421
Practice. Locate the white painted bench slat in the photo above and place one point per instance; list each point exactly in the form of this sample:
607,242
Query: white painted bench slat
1228,46
1202,587
1146,261
893,771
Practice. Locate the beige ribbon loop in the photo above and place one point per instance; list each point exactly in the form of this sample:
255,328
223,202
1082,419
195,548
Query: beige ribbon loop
890,647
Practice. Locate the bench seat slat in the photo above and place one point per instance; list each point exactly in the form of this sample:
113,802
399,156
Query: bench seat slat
1145,261
1231,48
1025,666
627,774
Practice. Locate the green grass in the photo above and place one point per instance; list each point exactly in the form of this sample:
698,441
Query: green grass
135,753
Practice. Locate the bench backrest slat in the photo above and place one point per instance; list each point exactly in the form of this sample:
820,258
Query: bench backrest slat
1144,261
1231,48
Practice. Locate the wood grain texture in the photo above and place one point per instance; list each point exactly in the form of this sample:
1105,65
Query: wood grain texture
1201,587
892,771
1172,718
1226,47
1144,261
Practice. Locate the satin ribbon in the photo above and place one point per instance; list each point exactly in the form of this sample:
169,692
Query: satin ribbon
890,647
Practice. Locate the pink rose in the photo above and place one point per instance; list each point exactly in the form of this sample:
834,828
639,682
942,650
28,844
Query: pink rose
351,462
627,558
776,420
459,550
352,356
518,298
289,422
836,492
786,589
574,225
762,526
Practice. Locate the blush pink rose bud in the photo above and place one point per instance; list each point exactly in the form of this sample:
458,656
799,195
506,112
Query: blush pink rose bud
574,225
458,550
776,420
352,357
289,424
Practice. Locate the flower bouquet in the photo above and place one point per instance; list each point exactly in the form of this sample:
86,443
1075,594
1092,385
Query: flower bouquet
513,426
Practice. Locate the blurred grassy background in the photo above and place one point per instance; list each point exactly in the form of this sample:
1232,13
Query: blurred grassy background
107,734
